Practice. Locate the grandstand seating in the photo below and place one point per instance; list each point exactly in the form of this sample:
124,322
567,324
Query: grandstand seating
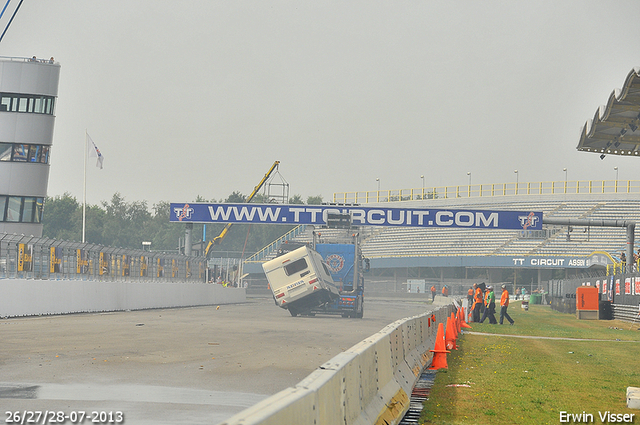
479,242
554,241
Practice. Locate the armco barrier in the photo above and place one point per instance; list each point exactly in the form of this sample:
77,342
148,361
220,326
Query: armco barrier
370,383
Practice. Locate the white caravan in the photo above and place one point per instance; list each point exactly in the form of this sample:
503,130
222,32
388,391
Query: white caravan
300,280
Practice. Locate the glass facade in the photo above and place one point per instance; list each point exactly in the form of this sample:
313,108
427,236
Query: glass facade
22,152
20,209
28,103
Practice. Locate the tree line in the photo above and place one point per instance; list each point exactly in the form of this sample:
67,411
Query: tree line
125,224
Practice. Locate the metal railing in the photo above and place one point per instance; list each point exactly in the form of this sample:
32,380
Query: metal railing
29,257
619,267
491,190
24,59
261,255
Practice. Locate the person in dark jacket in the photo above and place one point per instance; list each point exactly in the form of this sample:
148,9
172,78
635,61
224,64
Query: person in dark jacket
490,306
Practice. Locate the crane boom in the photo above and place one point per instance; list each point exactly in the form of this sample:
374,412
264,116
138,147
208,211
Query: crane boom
218,239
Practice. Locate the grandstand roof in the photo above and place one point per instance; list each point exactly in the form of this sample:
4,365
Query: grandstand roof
614,130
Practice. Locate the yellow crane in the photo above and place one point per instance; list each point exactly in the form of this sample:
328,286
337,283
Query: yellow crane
218,239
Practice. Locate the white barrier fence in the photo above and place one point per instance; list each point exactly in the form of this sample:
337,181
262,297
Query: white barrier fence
19,297
370,383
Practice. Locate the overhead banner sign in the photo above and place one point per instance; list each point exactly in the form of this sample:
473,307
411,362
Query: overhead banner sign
360,216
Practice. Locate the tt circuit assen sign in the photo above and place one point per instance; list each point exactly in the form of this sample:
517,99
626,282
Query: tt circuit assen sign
360,216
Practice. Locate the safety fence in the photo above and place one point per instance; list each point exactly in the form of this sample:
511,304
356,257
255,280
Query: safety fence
490,190
622,291
28,257
369,383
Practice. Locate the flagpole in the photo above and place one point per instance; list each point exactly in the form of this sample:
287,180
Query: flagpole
84,185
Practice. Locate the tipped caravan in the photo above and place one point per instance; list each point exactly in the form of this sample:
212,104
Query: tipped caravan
300,280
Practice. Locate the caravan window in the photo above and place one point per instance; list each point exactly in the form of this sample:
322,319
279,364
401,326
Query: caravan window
295,267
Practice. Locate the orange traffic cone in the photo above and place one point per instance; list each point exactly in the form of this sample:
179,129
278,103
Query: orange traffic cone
450,336
455,325
439,360
464,323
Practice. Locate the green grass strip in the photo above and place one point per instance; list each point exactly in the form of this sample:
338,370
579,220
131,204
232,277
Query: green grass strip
495,379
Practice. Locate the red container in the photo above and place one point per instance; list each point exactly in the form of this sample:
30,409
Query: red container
587,303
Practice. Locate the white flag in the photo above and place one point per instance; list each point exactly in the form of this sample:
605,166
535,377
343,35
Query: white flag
95,153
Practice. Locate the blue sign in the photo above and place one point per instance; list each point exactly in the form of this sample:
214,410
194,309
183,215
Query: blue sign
360,216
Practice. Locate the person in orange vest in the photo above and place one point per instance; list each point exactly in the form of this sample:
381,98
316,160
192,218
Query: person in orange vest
477,303
470,296
489,306
445,291
504,303
433,292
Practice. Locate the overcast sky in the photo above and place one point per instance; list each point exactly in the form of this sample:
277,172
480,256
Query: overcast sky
200,97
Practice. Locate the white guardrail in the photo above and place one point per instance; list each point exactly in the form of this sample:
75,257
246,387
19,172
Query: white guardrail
370,383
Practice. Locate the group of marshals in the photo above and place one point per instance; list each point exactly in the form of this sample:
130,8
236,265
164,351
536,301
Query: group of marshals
485,304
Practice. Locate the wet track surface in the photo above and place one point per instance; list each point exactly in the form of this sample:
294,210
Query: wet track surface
191,365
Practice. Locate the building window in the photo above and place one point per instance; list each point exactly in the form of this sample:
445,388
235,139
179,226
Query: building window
19,152
5,151
34,153
37,217
3,207
13,209
18,209
28,208
44,157
27,103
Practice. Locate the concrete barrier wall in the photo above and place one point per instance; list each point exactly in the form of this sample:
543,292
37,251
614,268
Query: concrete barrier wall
370,383
39,297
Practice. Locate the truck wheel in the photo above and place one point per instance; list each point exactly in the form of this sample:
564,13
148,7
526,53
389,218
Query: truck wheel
293,312
359,315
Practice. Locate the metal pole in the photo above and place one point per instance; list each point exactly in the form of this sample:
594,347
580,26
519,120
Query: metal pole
630,240
84,185
187,240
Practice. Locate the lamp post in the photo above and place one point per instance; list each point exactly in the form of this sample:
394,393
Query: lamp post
378,180
517,180
616,184
422,177
565,179
469,191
